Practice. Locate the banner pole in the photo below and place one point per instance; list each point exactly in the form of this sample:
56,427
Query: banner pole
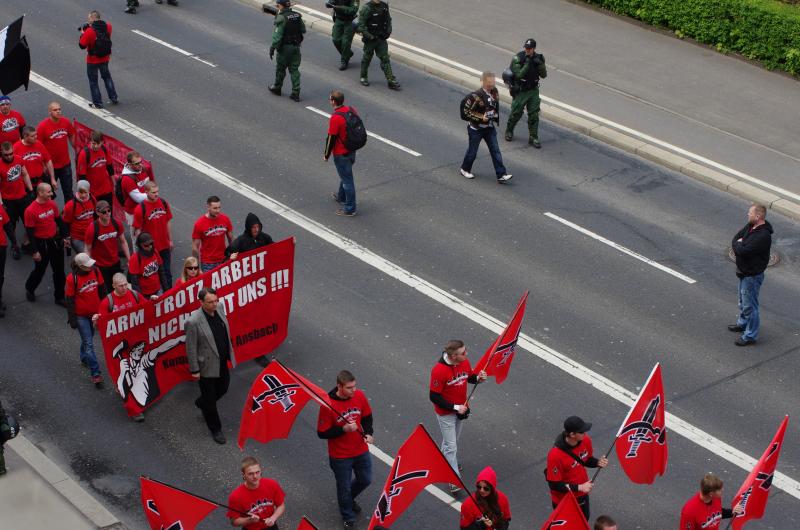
605,455
198,496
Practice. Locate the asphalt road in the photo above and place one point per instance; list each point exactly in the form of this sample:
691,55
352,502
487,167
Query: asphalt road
484,242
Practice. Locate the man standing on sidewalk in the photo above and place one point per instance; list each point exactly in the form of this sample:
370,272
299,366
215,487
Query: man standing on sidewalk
344,12
482,110
212,233
751,246
348,431
286,39
528,67
47,234
375,26
342,158
58,135
96,40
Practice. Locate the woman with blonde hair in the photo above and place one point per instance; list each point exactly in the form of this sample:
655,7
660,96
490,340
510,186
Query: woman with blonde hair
191,270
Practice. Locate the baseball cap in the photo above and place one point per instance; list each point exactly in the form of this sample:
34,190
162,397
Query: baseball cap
530,43
83,185
101,205
84,260
576,424
5,99
282,2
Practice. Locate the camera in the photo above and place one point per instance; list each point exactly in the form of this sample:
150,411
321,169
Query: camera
83,28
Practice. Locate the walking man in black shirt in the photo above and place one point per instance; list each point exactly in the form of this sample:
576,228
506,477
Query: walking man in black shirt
482,108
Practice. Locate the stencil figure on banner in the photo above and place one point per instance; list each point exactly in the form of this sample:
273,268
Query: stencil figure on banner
256,305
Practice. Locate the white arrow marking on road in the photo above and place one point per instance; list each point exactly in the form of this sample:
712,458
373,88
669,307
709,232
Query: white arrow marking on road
619,247
372,134
173,47
571,367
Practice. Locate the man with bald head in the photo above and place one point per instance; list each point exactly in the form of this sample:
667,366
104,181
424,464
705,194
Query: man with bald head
48,236
57,134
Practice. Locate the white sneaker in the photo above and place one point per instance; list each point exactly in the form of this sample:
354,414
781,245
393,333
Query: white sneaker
467,174
505,177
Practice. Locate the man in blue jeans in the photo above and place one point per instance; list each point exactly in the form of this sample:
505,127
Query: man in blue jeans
96,40
342,158
751,246
482,110
347,425
84,290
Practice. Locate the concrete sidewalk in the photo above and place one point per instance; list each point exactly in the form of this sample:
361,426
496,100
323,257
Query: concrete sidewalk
35,493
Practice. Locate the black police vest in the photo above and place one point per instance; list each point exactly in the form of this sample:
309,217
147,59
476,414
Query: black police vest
293,28
378,22
344,18
531,79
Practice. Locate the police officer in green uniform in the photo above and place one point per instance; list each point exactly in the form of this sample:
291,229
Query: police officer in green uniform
528,67
344,12
375,26
286,39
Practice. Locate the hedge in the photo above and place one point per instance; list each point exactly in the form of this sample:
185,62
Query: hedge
763,30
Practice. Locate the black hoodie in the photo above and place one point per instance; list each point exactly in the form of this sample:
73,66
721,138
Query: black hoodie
246,242
752,253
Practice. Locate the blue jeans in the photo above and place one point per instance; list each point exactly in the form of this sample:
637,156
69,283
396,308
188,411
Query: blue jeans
92,70
347,187
450,426
488,135
86,330
64,177
348,488
205,267
748,305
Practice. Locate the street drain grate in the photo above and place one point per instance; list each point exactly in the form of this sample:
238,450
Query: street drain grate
774,257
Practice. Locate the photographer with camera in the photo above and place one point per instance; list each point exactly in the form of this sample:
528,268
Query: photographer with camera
375,26
344,13
482,110
527,68
448,393
286,39
96,40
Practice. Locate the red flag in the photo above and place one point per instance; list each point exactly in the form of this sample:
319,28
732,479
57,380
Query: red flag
305,524
276,398
755,490
567,516
497,359
419,462
642,438
168,508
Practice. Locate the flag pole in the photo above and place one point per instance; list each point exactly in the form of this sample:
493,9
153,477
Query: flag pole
605,455
198,496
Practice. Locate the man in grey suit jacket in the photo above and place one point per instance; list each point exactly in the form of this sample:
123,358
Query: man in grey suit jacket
208,348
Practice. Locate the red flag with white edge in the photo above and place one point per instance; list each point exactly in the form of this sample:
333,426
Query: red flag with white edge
418,463
305,524
567,516
754,492
642,438
168,508
276,397
497,359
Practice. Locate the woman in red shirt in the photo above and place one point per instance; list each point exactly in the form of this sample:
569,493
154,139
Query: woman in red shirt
191,270
488,507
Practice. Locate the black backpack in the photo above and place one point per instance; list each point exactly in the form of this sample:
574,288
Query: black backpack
96,227
463,106
119,193
102,43
356,133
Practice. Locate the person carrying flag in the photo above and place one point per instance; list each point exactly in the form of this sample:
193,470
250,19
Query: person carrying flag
347,425
448,393
704,510
567,461
262,498
488,507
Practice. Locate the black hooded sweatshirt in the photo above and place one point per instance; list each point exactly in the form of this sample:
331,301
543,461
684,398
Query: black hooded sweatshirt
246,242
752,253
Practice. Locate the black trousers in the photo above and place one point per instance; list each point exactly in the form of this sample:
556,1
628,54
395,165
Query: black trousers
52,254
108,273
16,212
583,502
211,390
3,251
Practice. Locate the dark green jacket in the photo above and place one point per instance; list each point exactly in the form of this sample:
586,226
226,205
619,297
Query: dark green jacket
521,71
346,12
368,10
280,26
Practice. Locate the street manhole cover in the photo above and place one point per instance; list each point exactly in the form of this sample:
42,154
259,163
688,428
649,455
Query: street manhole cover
774,257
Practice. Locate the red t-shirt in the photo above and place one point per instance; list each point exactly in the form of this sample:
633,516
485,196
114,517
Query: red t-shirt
55,137
87,40
133,181
451,382
118,303
86,291
3,221
211,233
338,127
349,444
34,156
94,170
152,217
471,513
105,248
10,125
78,214
12,185
260,502
42,218
563,468
146,267
697,515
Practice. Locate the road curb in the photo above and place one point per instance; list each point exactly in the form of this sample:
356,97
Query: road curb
67,487
569,120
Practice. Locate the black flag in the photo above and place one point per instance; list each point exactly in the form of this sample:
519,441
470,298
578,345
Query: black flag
15,66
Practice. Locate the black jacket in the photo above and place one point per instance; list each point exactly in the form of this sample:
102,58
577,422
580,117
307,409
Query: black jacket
752,253
478,103
246,242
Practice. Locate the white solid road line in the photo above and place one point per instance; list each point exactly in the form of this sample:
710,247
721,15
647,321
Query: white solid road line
627,130
372,134
619,247
173,47
437,294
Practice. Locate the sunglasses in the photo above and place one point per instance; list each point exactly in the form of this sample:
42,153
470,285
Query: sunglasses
191,268
484,488
103,212
146,245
